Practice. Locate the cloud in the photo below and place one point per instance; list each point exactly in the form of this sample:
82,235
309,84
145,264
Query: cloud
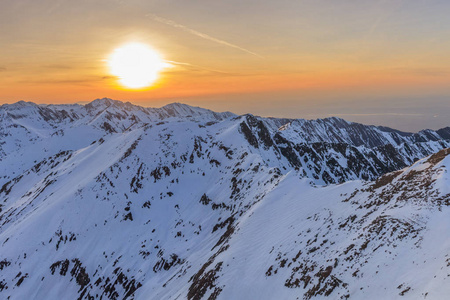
389,9
58,67
199,34
199,69
423,71
82,81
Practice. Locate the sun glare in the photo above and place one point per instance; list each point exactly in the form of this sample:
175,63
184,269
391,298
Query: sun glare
136,65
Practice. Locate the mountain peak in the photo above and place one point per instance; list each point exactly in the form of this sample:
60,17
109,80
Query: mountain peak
103,102
19,104
177,109
183,107
176,104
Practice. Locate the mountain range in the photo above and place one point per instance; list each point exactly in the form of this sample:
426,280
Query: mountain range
111,200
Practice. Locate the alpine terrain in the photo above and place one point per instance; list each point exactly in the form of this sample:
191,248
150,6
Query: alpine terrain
110,200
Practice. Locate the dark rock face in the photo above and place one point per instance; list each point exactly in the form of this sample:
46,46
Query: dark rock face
248,134
345,151
109,286
444,133
204,282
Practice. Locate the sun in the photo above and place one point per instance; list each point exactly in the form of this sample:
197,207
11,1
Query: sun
136,65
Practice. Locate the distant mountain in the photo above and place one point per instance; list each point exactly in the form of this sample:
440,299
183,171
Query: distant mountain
328,150
110,200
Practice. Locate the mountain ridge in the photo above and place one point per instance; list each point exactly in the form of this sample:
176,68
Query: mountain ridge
115,201
108,101
83,219
328,150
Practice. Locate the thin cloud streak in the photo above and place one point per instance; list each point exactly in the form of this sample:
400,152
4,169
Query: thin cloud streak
83,81
199,34
387,14
422,71
196,67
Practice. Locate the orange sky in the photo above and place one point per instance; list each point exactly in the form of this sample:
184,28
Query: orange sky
302,58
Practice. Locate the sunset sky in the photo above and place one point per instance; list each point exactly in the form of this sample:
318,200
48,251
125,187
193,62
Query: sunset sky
376,62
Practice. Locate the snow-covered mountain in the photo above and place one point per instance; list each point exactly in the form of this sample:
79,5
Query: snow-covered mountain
110,200
328,150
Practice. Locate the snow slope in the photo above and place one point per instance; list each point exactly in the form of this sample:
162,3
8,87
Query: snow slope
114,201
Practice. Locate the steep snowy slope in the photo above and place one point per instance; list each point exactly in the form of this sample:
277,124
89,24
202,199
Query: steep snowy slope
115,201
30,133
336,130
136,200
379,240
336,162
